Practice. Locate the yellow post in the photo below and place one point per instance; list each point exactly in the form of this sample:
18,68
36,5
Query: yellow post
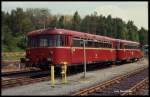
52,76
63,73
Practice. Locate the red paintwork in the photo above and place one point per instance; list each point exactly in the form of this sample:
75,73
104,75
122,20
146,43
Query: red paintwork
127,54
74,55
70,55
124,54
93,55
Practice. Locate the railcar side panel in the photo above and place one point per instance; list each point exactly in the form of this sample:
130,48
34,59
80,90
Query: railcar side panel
128,54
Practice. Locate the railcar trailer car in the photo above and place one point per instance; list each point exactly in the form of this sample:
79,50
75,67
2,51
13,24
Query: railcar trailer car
128,50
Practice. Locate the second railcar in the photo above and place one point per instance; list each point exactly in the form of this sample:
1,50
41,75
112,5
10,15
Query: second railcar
127,50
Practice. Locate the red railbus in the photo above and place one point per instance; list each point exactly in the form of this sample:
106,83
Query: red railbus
59,46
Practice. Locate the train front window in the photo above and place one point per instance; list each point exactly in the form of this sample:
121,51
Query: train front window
43,42
46,41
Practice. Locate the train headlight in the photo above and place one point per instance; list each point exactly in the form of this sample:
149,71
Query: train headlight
64,62
49,59
27,59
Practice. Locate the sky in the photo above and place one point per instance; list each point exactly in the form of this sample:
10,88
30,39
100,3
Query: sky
135,11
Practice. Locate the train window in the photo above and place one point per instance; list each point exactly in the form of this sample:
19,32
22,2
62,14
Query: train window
106,45
118,45
100,44
126,46
131,46
77,42
90,43
32,42
135,47
59,40
96,44
29,42
43,42
110,45
46,40
56,40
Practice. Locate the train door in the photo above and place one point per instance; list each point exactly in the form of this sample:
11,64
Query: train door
117,49
67,44
77,50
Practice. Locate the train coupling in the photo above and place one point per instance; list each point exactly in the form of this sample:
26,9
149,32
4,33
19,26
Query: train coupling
23,60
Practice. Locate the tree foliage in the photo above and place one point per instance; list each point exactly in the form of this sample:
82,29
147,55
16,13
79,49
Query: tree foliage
17,23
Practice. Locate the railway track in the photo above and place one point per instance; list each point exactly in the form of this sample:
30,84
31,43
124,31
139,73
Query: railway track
6,63
24,77
142,84
28,78
126,84
27,72
22,81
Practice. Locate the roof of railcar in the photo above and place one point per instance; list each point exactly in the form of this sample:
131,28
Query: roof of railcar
76,34
69,32
127,41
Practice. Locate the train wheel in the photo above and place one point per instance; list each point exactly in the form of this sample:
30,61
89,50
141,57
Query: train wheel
27,65
113,64
132,60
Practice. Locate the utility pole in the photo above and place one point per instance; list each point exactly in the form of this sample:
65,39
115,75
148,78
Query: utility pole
44,17
84,58
44,24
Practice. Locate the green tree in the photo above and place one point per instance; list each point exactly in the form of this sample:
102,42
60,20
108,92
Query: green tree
8,41
61,22
133,31
39,17
54,22
143,36
101,27
109,26
85,24
16,24
93,23
76,21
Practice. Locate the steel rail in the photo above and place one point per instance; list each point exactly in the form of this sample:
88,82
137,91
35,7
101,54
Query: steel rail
136,87
105,84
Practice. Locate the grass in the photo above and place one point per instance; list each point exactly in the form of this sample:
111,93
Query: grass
12,55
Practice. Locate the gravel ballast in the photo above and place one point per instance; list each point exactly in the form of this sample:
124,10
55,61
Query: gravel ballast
74,82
